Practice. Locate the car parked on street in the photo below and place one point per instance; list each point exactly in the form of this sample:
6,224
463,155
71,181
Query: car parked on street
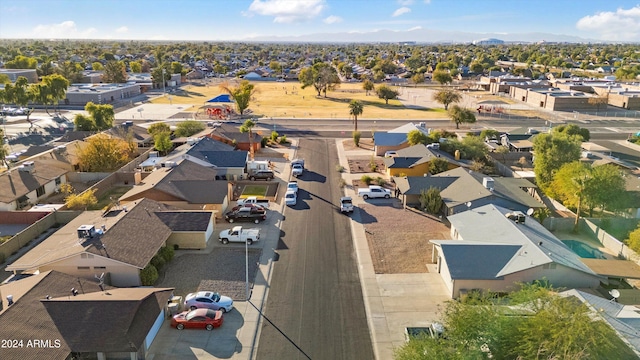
292,186
198,319
290,198
346,204
208,300
297,170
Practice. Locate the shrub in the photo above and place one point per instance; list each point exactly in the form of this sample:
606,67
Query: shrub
366,179
274,136
430,200
176,247
342,183
283,139
167,253
356,138
158,261
380,181
149,275
340,168
264,141
372,165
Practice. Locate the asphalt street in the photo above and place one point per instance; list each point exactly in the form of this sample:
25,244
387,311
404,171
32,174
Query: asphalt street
315,297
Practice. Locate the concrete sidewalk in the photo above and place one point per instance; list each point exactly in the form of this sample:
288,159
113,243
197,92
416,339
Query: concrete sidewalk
392,301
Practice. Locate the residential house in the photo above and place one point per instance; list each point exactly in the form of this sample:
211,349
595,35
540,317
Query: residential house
119,242
395,139
415,161
31,182
187,186
227,162
229,134
624,319
493,252
52,322
463,189
140,135
14,74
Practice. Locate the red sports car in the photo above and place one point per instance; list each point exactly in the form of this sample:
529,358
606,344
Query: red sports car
198,319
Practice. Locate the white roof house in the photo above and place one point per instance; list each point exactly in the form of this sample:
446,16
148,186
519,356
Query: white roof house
496,253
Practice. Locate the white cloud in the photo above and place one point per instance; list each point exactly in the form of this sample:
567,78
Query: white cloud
405,2
427,1
415,28
64,30
287,11
332,19
620,25
400,11
122,30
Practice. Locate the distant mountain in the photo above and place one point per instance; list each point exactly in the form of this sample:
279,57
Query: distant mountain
421,36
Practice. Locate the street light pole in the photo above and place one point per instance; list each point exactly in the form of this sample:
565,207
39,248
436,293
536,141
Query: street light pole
163,81
246,262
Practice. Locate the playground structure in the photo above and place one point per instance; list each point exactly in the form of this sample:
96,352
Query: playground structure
222,112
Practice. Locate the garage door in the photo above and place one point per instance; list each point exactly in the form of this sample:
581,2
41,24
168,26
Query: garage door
154,330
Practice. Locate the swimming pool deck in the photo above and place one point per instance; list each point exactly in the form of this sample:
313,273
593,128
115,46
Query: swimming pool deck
585,238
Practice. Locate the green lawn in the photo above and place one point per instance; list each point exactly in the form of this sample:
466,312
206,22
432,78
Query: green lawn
254,190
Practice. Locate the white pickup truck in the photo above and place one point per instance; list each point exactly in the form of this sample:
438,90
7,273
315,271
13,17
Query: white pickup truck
374,191
346,204
254,200
238,234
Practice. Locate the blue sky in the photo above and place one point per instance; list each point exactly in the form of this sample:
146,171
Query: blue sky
230,20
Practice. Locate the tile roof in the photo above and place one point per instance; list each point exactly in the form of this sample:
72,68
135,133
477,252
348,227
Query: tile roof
15,183
27,318
117,320
186,221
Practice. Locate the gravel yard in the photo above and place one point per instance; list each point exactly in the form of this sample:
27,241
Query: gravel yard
223,270
399,239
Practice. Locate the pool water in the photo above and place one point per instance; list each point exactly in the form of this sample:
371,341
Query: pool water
583,250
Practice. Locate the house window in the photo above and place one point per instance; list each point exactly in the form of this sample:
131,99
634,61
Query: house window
84,268
99,268
550,266
40,191
58,181
86,256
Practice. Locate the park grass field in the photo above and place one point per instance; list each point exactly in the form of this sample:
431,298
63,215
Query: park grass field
276,99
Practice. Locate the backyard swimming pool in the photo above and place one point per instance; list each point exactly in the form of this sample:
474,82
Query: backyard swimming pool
583,250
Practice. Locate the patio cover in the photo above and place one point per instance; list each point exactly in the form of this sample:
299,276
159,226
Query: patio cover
221,98
614,268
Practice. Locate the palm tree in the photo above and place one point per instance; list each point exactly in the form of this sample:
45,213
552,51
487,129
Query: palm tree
246,127
355,109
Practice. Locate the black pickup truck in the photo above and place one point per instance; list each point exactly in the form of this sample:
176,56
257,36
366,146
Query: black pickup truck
246,214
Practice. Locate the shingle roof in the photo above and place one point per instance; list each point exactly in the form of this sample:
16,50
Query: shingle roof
224,159
539,246
27,319
476,261
137,237
382,138
185,221
401,162
511,189
117,320
15,183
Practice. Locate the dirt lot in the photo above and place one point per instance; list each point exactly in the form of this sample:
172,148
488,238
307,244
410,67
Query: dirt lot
399,239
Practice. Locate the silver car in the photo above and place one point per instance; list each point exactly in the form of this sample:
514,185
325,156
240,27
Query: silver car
208,299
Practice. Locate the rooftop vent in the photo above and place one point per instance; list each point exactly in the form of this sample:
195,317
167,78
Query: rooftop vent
192,141
488,182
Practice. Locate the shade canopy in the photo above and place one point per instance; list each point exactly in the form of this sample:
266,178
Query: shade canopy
221,98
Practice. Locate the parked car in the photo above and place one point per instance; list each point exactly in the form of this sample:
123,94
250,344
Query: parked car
374,191
208,300
292,186
261,175
297,162
290,198
390,153
297,170
238,234
346,204
253,200
246,214
198,319
248,206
